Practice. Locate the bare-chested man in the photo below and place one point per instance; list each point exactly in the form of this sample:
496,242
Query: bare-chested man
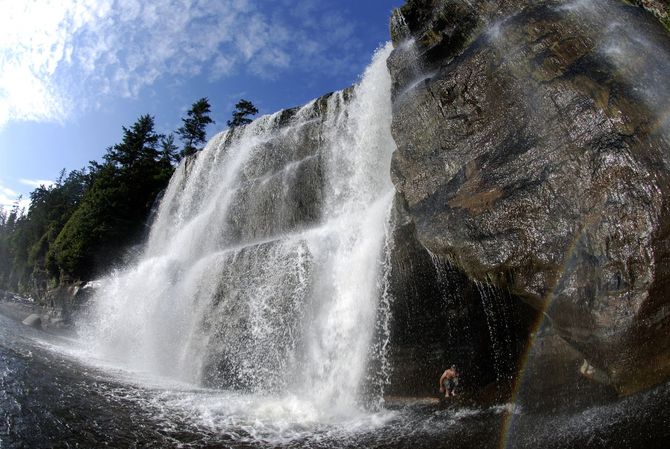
449,381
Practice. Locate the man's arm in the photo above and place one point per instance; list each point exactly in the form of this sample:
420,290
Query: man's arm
444,376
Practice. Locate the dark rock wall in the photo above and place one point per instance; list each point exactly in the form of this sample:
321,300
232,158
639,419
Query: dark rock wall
533,152
441,317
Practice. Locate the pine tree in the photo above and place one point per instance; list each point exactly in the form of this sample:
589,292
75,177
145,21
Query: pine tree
15,214
138,145
192,132
112,213
169,151
243,108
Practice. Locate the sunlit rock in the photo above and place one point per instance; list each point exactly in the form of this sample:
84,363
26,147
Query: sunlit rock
533,152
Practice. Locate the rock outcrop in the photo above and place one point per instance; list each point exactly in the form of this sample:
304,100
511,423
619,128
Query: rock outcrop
659,8
440,317
33,320
61,304
533,144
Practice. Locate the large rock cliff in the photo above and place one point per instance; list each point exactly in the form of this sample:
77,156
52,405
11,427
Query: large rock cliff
533,143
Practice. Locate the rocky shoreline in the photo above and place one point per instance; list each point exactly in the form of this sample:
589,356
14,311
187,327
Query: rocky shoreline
55,311
17,307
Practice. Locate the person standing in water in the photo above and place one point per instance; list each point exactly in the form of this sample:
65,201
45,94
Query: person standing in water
449,381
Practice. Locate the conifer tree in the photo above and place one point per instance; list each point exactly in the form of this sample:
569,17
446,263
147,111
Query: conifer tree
138,145
169,151
112,213
192,132
243,109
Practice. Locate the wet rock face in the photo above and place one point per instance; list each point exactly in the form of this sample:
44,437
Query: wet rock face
440,318
60,304
534,152
659,8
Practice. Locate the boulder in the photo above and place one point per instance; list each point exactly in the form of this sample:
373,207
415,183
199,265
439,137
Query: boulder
33,320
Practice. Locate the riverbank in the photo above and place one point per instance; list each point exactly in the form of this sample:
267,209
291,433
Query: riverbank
16,307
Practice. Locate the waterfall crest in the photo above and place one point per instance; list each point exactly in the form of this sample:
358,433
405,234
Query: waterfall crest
263,269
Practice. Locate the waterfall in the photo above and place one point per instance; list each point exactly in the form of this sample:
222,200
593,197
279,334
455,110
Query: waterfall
498,317
263,271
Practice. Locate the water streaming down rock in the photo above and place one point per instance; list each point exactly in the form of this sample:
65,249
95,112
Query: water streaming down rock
498,317
479,323
263,265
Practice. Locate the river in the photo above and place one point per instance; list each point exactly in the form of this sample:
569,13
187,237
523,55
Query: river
52,395
52,398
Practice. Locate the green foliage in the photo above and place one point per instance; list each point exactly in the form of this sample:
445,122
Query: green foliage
5,256
114,210
192,132
243,109
138,145
86,220
9,221
25,238
169,151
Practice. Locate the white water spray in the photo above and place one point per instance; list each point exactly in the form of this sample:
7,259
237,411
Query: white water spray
263,267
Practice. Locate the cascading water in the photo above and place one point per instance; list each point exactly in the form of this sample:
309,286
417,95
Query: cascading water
498,317
263,267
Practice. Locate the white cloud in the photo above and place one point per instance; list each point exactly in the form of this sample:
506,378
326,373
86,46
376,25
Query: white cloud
221,67
57,56
8,198
33,43
6,191
35,183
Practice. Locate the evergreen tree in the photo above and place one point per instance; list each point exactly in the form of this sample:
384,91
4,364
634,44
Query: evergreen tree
243,109
192,132
15,214
169,151
138,145
5,252
86,220
112,214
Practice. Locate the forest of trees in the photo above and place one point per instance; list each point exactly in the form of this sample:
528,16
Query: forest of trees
88,219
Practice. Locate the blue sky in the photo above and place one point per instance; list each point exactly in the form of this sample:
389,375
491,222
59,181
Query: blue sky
72,72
